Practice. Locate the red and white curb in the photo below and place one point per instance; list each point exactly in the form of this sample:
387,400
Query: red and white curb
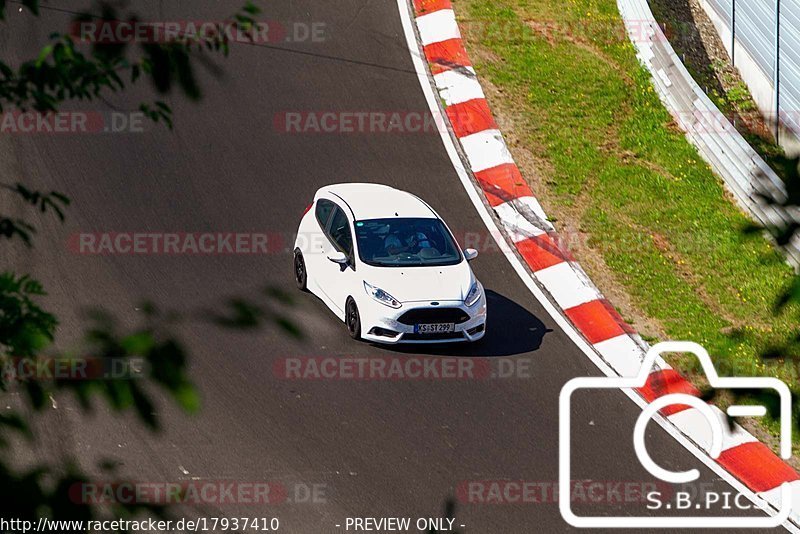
749,461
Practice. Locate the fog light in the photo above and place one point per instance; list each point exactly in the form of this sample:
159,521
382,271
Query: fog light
476,329
382,332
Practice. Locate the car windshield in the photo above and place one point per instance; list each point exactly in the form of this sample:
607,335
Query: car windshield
404,242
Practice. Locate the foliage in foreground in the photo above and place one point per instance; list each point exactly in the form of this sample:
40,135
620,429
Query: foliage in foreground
59,73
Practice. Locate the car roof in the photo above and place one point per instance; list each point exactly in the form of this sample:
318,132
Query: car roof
377,201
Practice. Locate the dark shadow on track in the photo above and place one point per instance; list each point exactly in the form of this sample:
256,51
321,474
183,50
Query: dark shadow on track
510,330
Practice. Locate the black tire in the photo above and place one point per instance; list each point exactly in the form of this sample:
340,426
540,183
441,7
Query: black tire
352,319
300,273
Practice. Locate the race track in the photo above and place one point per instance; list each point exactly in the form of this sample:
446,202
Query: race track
377,447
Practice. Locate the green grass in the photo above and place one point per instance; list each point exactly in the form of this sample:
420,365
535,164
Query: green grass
656,213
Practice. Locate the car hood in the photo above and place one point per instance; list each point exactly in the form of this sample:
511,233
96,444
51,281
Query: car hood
409,284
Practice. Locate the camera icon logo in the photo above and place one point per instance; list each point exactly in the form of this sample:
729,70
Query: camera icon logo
675,477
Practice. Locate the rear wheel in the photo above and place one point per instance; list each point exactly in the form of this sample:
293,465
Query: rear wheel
352,319
300,273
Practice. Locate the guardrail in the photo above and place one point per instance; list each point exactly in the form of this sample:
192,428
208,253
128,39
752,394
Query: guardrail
744,172
762,37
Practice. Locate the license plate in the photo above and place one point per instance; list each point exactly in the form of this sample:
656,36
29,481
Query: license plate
434,328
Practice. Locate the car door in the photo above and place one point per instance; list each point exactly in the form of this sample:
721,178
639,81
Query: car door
314,243
339,280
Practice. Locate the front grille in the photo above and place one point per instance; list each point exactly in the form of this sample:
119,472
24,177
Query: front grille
434,315
434,337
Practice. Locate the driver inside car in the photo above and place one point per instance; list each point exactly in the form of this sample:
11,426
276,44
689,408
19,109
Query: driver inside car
414,241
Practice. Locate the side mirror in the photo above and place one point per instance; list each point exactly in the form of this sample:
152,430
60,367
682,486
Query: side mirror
470,254
338,257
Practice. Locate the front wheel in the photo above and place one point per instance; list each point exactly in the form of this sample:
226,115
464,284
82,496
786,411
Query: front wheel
300,273
352,319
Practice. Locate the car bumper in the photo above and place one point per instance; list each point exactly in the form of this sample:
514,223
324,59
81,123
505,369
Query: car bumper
379,321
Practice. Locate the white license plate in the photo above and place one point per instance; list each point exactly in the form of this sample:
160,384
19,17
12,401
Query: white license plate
434,328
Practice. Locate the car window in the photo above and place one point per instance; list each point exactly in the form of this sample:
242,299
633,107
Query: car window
323,211
340,232
402,242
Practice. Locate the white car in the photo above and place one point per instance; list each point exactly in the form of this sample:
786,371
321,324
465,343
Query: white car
388,266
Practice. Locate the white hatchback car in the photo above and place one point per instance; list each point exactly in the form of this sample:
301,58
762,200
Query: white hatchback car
387,265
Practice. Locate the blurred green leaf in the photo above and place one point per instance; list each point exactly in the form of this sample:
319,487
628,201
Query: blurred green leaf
188,398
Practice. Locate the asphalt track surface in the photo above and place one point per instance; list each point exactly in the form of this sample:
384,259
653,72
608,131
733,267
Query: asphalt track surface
378,448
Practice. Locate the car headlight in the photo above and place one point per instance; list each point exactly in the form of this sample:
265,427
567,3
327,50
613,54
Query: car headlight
473,295
381,296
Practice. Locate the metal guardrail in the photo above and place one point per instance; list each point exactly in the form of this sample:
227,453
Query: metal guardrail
769,32
744,172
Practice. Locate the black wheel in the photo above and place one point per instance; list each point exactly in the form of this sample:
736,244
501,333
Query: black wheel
300,274
352,319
